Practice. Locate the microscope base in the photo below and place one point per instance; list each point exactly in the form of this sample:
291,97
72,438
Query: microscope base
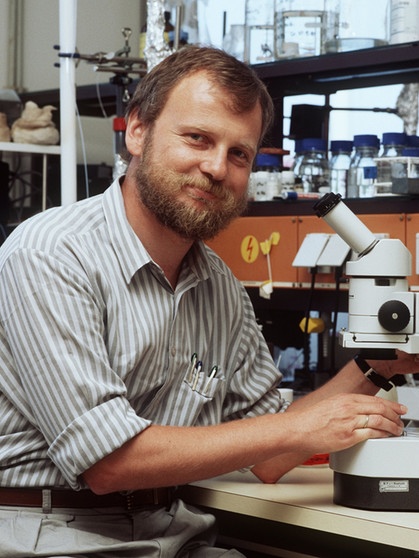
379,474
369,493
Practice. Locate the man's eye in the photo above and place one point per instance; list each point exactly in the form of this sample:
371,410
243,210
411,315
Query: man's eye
196,137
240,154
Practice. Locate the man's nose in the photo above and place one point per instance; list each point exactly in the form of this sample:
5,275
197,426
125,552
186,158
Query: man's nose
215,164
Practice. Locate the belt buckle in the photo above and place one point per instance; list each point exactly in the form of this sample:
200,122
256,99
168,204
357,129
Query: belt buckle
151,498
129,501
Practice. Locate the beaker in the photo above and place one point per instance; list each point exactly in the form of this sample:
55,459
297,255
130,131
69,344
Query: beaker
259,42
303,28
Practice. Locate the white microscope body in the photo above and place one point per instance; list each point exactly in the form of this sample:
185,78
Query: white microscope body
378,474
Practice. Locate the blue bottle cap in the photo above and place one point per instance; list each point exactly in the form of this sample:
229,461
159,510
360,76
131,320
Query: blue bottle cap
366,140
394,138
341,145
315,144
412,141
268,160
410,152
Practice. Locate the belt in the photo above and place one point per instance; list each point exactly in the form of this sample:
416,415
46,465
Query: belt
55,498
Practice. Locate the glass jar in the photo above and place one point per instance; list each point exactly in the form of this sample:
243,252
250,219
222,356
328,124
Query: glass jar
361,25
314,168
233,41
362,174
298,157
303,28
405,172
259,39
339,166
393,144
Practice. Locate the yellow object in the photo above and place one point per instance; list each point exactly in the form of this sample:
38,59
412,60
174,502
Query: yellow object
266,245
249,248
315,325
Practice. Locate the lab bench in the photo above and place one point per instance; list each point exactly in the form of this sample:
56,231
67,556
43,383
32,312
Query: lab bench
296,518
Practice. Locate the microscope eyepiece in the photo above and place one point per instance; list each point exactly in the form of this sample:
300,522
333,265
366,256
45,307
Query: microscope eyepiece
326,204
345,223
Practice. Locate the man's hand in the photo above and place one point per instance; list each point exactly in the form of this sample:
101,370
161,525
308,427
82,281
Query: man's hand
333,424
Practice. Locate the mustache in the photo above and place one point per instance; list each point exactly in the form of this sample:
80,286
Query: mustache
206,184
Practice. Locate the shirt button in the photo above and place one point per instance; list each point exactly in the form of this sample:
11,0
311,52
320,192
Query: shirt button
173,351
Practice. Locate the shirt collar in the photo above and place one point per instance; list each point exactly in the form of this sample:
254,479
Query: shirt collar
132,255
129,250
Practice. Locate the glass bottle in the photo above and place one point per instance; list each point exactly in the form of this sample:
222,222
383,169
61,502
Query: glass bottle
393,144
404,21
405,172
169,29
233,41
298,157
363,168
339,166
314,168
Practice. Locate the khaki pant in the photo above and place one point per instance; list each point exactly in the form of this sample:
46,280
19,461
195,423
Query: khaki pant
181,532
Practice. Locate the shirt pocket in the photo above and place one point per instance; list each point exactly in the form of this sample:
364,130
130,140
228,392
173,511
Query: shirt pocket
198,401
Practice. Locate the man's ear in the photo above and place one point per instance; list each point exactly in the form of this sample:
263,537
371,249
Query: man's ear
134,136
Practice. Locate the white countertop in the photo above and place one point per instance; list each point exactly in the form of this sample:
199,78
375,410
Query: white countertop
304,497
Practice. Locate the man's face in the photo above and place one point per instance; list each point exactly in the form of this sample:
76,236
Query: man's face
196,160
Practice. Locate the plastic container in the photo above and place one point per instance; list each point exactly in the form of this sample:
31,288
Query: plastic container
340,161
314,169
362,174
393,144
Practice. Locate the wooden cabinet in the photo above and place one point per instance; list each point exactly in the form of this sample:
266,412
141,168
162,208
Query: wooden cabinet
239,246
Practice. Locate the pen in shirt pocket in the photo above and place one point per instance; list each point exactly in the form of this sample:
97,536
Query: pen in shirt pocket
194,360
211,376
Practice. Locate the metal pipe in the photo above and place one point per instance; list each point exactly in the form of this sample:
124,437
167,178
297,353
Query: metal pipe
68,24
178,26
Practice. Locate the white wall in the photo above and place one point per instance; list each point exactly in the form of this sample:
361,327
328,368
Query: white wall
99,25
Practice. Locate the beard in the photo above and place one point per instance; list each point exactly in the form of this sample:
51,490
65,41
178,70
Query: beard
163,192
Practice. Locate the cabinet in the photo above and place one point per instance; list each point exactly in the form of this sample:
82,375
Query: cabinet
239,246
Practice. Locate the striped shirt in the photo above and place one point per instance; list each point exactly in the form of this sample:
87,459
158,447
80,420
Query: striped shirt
95,345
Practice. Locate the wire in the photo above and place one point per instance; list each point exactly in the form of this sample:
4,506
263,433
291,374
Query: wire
83,148
99,98
313,272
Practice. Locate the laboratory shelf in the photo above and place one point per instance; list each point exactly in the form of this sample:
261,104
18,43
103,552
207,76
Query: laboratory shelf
323,74
329,73
29,148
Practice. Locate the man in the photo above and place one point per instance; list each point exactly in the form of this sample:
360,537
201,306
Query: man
130,356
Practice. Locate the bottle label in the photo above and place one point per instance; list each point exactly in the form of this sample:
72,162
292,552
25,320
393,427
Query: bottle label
370,172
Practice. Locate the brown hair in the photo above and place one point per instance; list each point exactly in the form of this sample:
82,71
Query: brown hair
243,86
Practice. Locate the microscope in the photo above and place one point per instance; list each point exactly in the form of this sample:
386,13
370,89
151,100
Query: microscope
383,316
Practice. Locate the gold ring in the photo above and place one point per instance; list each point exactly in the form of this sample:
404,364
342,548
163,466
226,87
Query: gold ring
367,418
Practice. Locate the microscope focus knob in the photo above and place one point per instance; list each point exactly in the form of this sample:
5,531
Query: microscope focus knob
394,315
